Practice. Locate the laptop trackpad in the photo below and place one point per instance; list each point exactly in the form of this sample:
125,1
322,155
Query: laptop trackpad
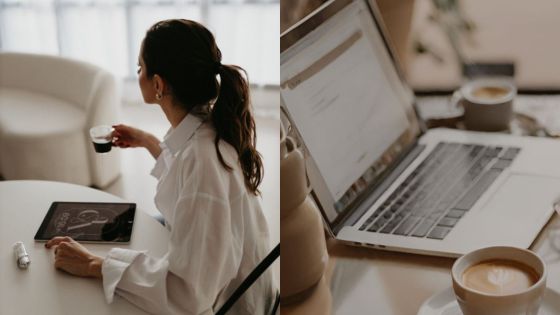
516,211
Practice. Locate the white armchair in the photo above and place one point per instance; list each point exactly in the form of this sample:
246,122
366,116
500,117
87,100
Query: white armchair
47,105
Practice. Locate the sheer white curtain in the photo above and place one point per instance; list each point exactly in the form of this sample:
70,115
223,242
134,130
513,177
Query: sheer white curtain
28,26
248,35
109,32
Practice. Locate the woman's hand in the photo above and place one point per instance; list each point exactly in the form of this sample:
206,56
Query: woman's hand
128,137
72,257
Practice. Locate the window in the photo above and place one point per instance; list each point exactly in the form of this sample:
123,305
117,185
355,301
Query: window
108,33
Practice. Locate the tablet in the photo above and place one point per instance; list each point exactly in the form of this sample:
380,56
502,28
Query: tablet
98,222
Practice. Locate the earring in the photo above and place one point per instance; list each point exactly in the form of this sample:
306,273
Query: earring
158,96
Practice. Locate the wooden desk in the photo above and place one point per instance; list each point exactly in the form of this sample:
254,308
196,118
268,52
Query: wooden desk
41,289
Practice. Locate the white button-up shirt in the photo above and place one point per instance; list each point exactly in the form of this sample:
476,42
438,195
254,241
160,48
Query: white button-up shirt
218,233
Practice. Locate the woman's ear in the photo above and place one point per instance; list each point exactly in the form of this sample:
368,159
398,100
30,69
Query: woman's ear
158,83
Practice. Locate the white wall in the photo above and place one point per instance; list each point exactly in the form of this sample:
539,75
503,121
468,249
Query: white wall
506,30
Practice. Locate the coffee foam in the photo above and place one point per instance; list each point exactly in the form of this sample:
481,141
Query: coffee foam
102,140
500,277
490,92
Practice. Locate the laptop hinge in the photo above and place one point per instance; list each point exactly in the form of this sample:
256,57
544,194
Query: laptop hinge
376,191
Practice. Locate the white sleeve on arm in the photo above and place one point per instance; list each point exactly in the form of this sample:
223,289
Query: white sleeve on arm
163,162
144,281
204,256
114,265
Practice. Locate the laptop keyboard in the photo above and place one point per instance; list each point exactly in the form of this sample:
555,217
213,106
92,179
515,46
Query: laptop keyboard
438,193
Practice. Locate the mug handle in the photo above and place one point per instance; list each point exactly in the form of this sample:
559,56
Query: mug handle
456,101
450,113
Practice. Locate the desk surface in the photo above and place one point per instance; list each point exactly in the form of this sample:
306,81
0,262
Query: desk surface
370,281
41,289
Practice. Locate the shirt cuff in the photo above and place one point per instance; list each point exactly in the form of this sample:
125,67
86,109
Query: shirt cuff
113,268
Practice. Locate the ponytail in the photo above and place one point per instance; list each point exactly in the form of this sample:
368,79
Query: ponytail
234,123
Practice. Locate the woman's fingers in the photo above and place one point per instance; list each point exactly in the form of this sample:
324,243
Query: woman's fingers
123,129
119,127
63,261
66,250
126,137
74,258
57,240
121,144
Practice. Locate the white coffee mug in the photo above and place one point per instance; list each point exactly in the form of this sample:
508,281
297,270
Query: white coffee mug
474,302
488,103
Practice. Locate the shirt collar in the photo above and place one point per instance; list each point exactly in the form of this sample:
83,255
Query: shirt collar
176,138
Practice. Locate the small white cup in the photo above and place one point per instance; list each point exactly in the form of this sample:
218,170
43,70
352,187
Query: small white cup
102,139
488,113
473,302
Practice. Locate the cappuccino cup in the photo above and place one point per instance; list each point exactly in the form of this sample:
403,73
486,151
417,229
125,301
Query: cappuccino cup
102,138
499,280
488,103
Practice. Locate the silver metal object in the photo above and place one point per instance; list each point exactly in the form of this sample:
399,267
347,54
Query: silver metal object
22,258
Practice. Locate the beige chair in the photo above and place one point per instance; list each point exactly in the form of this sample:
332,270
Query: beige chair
47,105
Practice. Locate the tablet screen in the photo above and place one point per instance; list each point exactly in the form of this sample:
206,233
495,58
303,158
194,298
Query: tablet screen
88,221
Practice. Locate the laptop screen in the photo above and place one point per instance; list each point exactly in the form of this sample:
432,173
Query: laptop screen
344,97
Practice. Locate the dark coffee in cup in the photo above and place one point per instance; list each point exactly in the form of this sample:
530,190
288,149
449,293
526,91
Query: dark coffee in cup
102,147
101,137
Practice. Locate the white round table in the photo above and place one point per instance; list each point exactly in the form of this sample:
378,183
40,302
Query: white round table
41,289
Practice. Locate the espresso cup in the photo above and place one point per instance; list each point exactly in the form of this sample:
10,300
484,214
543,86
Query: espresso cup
488,104
102,138
499,280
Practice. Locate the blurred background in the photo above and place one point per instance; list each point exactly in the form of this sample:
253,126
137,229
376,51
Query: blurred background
440,44
432,37
108,33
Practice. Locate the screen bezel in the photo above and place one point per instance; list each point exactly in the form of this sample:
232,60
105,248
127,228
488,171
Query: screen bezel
127,234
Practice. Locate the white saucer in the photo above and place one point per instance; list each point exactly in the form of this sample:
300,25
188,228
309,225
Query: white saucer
444,303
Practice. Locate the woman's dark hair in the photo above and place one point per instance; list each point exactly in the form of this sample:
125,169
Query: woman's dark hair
185,55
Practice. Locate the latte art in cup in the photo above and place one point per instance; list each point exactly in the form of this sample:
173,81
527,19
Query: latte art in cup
499,277
499,280
490,92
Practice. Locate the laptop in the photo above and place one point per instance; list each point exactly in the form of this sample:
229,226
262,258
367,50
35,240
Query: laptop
378,177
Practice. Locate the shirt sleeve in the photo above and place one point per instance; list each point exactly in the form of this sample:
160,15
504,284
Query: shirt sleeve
114,265
163,162
203,257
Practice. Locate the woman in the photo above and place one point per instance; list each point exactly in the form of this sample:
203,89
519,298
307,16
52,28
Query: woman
208,171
